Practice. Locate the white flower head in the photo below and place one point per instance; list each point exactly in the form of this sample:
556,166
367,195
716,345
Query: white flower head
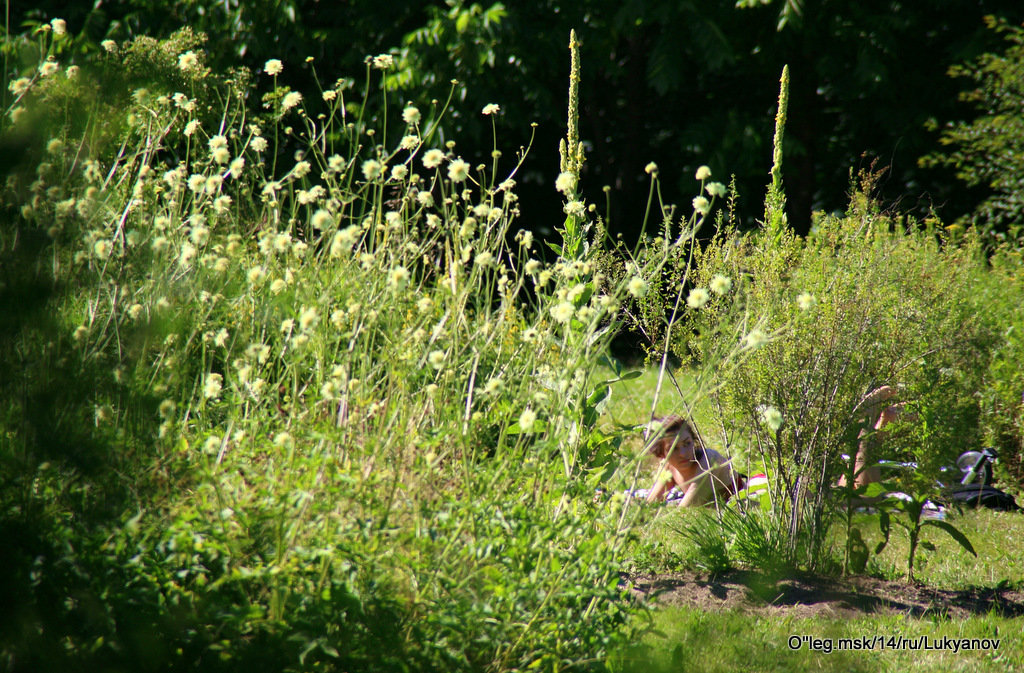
212,386
565,182
458,170
715,190
436,359
308,318
273,67
637,287
575,208
697,298
563,312
527,420
771,417
433,158
19,86
101,248
188,61
290,100
491,108
651,168
398,278
301,169
256,275
720,284
411,115
806,301
703,173
701,205
321,219
371,169
755,338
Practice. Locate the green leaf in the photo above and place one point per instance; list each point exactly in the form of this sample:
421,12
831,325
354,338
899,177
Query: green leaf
538,427
599,394
954,532
871,490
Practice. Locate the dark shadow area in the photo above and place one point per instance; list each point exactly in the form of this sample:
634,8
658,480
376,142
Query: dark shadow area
69,476
810,595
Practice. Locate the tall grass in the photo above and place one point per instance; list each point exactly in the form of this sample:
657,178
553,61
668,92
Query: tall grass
304,396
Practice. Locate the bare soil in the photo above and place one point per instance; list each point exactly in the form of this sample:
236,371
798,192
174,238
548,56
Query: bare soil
811,596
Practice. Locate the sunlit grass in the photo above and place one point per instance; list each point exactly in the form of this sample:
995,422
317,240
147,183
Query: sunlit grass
699,641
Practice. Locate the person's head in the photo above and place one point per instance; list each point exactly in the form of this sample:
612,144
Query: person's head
675,433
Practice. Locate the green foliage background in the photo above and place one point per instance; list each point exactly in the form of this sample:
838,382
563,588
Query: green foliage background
250,425
682,84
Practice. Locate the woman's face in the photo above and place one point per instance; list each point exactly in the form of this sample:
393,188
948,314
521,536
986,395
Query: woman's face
682,442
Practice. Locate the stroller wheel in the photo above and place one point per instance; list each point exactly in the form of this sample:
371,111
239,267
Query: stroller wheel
976,468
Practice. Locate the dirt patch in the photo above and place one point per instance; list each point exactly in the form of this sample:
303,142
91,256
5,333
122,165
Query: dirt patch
810,596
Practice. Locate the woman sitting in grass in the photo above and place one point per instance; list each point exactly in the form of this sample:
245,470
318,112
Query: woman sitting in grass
704,476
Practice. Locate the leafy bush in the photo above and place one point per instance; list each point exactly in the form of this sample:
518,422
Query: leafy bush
1002,397
866,300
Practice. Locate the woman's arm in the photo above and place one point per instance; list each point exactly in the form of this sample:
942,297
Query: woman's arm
665,480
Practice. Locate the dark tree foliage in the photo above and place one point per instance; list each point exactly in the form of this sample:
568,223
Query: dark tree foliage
988,151
679,83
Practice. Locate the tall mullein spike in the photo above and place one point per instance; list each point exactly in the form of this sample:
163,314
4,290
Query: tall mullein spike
780,129
572,158
775,200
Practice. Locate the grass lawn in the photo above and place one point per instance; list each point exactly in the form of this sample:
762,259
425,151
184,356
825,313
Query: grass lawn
696,640
753,634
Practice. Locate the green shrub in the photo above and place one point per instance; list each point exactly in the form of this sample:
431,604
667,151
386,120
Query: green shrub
1002,397
866,300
